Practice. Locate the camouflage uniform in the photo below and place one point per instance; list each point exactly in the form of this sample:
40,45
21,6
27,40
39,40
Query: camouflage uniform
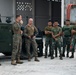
56,43
73,42
66,38
48,40
30,31
17,41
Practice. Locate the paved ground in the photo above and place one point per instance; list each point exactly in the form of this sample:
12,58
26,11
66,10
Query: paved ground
44,67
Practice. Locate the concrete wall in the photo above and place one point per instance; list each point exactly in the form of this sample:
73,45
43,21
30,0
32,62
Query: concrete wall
7,8
73,15
73,10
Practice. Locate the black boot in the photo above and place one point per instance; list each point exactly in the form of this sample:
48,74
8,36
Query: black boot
56,52
49,55
56,55
61,57
45,54
72,56
52,57
67,55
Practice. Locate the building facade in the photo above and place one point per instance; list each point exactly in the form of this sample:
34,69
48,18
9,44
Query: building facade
72,10
40,10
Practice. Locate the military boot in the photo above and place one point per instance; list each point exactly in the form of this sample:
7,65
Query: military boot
29,58
72,56
67,55
56,55
61,57
52,57
19,61
36,59
63,54
45,54
13,62
49,53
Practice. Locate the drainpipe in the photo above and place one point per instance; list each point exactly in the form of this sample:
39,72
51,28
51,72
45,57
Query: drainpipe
62,13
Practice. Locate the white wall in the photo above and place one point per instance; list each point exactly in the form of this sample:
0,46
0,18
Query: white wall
73,11
7,8
73,15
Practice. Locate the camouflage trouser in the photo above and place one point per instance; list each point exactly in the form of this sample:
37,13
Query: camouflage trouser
55,45
48,42
73,43
66,42
28,43
17,45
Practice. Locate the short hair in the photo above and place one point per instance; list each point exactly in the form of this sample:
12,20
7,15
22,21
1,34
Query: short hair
55,20
49,20
18,16
30,19
68,20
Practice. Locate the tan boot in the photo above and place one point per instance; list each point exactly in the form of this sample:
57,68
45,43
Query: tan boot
29,59
36,59
19,61
13,62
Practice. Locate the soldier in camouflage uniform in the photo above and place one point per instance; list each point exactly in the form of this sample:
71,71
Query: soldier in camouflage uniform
48,38
66,37
30,33
17,41
56,42
73,41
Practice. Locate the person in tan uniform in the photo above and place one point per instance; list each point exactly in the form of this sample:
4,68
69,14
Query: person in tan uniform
30,33
17,41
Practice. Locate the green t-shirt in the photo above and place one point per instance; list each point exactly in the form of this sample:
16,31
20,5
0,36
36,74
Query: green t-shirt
56,30
74,28
67,30
48,29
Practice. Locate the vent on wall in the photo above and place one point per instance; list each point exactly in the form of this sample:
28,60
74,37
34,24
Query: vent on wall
55,0
24,6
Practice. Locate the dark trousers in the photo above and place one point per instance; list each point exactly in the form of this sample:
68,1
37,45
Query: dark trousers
66,42
48,42
73,43
55,45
